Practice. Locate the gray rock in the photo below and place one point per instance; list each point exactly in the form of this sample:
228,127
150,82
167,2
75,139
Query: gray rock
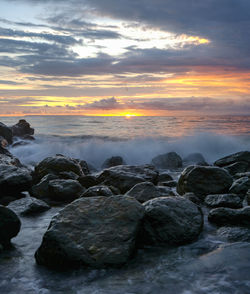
22,129
28,206
192,197
9,225
9,159
248,197
68,176
194,159
240,186
124,177
204,180
6,133
223,200
164,177
170,184
171,220
237,167
95,231
88,181
147,190
97,191
234,234
169,160
227,216
85,167
113,161
233,158
41,190
14,180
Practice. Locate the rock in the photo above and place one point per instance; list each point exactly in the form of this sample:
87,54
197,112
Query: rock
237,167
14,180
145,191
22,129
68,176
28,206
164,177
169,160
170,184
242,175
234,234
41,190
248,197
113,161
194,159
95,231
204,180
227,216
6,133
9,159
64,190
223,200
3,143
124,177
97,191
88,181
85,167
9,225
233,158
240,186
192,197
171,220
56,165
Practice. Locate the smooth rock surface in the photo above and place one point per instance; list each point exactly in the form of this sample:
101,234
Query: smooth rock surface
223,200
95,231
95,191
88,181
6,133
169,160
237,167
235,234
22,129
240,186
236,157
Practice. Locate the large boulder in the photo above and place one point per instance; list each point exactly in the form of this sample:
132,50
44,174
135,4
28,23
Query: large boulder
56,165
14,180
9,225
223,200
194,159
147,190
237,167
8,159
169,160
234,234
95,191
171,220
204,180
22,129
113,161
240,186
41,189
124,177
95,231
6,133
28,206
228,216
243,156
88,181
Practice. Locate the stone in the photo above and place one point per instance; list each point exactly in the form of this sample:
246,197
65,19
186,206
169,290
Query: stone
169,160
9,159
234,234
28,206
240,186
248,197
96,231
41,190
223,200
85,167
10,225
242,175
145,191
164,177
237,167
204,180
14,180
171,221
97,191
170,184
68,175
233,158
124,177
192,197
6,133
113,161
22,129
194,159
88,181
227,216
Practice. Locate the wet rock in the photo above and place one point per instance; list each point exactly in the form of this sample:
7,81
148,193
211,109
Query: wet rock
237,167
227,216
204,180
3,143
56,165
169,160
41,190
8,159
235,234
68,176
164,177
240,186
243,156
14,180
88,181
6,199
113,161
147,190
22,129
95,231
171,220
9,225
248,197
97,191
28,206
242,175
6,133
85,167
194,159
192,197
170,184
124,177
64,190
223,200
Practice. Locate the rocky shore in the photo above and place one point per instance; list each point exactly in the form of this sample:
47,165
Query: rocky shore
108,215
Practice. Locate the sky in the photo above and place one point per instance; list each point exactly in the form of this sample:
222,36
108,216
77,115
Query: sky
124,57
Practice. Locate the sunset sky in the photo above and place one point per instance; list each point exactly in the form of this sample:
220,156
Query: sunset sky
120,57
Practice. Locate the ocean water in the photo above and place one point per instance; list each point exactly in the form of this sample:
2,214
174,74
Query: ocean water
137,139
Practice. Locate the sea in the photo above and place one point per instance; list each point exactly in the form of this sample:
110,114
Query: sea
211,265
